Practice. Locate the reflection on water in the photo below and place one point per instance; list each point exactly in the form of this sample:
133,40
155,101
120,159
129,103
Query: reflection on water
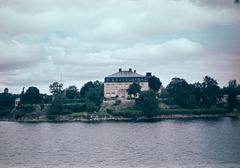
167,143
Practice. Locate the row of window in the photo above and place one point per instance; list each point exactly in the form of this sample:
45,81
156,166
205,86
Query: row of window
112,84
125,79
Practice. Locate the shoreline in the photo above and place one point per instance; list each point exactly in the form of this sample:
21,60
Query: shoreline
97,118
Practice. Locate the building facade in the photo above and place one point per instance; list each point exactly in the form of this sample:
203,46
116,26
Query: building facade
116,85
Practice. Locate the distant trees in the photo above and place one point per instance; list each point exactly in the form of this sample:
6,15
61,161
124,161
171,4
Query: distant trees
205,94
72,92
148,103
32,95
56,88
154,83
232,90
134,89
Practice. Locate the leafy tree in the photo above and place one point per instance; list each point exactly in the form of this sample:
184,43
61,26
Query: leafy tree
180,91
154,83
32,95
232,91
93,94
134,89
72,92
211,92
198,92
56,88
57,105
6,101
87,86
148,103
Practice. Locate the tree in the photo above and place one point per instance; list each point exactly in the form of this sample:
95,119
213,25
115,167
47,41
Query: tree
87,86
57,105
32,95
148,103
154,83
134,89
198,93
232,91
93,94
72,92
6,101
211,92
56,88
180,91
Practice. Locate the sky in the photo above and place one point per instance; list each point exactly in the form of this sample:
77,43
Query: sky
75,41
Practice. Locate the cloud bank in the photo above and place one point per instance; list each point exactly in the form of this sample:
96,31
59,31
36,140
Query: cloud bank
86,40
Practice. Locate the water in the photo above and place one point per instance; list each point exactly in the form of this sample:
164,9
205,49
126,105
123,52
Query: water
167,143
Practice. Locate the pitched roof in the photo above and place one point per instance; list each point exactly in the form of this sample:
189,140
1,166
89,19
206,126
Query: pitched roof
124,74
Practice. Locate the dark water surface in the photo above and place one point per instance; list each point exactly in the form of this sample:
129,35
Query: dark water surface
167,143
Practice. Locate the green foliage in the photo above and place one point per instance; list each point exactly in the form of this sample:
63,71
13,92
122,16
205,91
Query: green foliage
126,113
154,83
6,103
117,102
180,92
22,111
148,103
75,107
232,91
57,105
214,111
72,92
91,106
93,94
134,89
32,96
211,92
56,88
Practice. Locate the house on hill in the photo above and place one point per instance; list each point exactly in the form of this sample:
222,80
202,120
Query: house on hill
116,85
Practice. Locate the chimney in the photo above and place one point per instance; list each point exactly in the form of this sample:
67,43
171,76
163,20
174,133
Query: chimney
120,70
130,69
135,71
148,74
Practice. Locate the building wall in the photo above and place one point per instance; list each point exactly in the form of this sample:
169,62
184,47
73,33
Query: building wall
113,89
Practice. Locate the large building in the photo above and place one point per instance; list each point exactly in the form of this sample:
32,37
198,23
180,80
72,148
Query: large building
116,85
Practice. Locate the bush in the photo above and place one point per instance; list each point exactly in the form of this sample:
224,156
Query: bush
75,107
126,113
117,102
91,107
22,111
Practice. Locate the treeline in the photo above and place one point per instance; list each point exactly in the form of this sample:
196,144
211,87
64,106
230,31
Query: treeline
181,94
177,94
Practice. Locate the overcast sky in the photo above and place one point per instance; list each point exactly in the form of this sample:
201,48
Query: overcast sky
88,39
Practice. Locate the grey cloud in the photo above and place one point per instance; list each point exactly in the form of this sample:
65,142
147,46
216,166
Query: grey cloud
15,55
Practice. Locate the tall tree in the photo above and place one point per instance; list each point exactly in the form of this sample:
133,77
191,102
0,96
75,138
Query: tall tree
134,89
180,92
56,88
232,91
211,92
93,94
72,92
148,103
154,83
32,95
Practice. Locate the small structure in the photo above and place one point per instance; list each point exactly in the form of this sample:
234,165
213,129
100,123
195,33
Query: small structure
17,102
116,85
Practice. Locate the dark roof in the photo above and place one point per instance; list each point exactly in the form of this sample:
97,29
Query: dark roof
124,74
